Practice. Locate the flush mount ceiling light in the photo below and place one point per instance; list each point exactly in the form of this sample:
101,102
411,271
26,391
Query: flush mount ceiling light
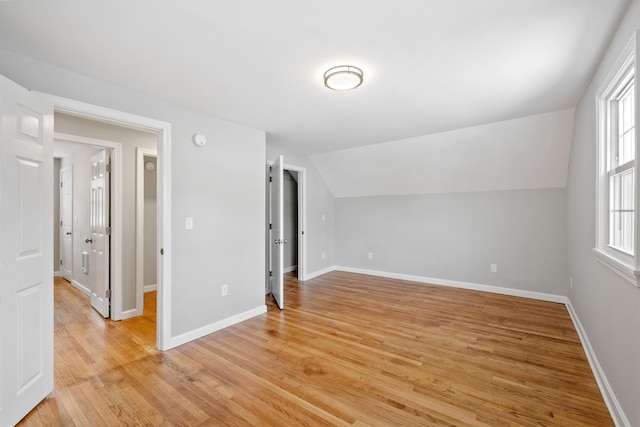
343,77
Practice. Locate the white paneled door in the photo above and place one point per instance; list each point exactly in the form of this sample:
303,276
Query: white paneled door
277,235
66,222
100,232
26,251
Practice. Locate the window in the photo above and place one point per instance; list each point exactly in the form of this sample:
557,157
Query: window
622,165
617,178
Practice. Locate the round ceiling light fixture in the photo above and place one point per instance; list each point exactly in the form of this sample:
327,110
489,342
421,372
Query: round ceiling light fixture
343,77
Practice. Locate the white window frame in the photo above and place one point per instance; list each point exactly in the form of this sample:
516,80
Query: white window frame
625,264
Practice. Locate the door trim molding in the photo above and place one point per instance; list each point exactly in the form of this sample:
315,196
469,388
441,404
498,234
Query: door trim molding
163,129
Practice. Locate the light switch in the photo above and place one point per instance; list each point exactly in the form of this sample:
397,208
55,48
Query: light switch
188,223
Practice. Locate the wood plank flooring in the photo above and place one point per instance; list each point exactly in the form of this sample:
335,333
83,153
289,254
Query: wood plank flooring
347,350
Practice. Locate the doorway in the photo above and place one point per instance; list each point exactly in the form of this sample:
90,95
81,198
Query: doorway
146,223
294,222
85,215
162,132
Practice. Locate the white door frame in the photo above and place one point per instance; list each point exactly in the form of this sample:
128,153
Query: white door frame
163,129
302,220
141,152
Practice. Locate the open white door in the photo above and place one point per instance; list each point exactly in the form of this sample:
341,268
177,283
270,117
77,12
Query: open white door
277,235
26,251
100,231
66,222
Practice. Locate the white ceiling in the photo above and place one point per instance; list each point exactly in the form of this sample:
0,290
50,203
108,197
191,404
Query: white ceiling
430,65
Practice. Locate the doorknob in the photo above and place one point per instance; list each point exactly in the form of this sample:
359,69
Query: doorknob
88,240
68,233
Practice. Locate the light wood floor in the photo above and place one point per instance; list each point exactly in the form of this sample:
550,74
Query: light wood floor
347,350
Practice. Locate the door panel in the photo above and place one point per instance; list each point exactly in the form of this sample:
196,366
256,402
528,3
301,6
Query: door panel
29,335
100,219
26,252
29,208
66,222
277,236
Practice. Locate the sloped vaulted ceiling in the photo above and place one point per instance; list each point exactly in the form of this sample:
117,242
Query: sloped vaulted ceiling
526,153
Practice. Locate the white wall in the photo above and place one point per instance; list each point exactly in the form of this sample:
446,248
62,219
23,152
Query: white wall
608,306
457,237
130,140
221,186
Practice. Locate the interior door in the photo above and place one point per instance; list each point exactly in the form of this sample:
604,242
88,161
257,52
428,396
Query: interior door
277,235
100,233
26,251
66,222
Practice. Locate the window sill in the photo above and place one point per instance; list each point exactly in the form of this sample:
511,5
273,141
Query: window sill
625,270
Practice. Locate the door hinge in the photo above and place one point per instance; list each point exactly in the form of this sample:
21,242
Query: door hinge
108,231
60,223
107,168
108,293
270,179
60,185
60,262
270,226
270,273
161,251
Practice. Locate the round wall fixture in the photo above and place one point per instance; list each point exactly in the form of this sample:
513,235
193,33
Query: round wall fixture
343,77
199,139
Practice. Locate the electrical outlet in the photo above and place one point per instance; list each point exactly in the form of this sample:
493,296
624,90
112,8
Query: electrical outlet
370,255
494,268
224,290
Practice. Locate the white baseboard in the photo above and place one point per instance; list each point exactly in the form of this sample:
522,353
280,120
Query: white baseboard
213,327
128,314
56,274
457,284
82,288
150,288
318,273
290,269
618,415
